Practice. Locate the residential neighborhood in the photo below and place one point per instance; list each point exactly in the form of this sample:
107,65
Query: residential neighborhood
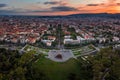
30,30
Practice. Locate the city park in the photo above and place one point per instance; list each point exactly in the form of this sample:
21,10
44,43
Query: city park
58,64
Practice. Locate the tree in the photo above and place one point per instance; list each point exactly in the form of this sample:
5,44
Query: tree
106,65
71,76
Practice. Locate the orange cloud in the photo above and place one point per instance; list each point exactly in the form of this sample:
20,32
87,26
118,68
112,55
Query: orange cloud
110,7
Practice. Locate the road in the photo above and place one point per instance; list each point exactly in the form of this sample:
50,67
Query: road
60,45
11,47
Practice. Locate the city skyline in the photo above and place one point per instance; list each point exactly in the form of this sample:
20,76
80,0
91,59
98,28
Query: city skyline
58,7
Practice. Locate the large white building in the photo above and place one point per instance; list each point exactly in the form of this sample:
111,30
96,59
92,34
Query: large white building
79,40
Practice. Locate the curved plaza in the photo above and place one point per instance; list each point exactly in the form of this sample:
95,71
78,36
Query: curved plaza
60,55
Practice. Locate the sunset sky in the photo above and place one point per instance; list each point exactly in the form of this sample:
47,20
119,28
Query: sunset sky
58,7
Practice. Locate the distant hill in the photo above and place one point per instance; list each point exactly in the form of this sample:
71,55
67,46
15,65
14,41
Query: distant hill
107,15
104,15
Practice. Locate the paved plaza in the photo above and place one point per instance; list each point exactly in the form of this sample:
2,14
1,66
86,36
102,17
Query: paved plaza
60,55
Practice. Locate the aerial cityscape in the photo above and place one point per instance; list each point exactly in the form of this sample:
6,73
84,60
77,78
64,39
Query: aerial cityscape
60,40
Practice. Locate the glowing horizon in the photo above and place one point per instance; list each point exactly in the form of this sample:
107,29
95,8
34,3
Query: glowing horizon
58,7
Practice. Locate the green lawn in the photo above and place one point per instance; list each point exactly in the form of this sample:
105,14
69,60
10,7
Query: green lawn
83,49
55,70
77,53
32,48
46,50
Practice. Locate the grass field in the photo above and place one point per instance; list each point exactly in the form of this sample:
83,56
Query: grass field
82,50
55,70
36,50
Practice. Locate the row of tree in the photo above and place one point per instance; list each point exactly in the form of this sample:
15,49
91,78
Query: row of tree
14,66
105,65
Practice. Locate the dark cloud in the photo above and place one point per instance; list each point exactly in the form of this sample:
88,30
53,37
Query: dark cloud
63,8
51,9
52,2
14,11
92,4
56,9
37,11
118,4
2,5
